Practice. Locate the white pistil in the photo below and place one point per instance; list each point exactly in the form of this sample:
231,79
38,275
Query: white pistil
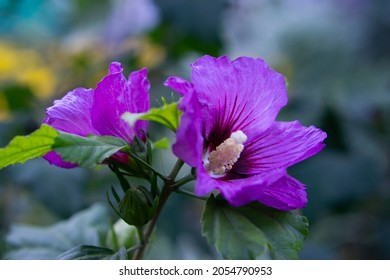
226,154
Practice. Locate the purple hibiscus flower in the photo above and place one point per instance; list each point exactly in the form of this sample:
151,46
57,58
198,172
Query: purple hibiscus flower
229,133
98,111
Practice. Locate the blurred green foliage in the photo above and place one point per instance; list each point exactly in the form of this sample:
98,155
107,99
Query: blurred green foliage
335,55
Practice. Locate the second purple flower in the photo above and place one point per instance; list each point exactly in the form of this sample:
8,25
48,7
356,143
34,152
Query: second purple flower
99,111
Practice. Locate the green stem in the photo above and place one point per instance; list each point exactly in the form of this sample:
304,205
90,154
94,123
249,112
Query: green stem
165,192
183,181
187,193
175,170
140,235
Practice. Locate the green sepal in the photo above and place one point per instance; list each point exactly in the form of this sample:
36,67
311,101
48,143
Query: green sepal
122,180
139,148
112,205
149,152
153,209
115,194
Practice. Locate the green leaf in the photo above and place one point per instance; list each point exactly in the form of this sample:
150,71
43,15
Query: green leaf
33,242
23,148
120,255
168,115
161,144
85,252
253,231
87,151
234,235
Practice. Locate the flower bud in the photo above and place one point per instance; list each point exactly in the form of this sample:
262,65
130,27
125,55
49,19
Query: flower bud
135,206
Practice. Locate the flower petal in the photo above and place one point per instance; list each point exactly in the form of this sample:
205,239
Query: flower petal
281,146
205,184
180,85
275,189
55,159
189,141
139,97
244,94
287,193
113,97
72,113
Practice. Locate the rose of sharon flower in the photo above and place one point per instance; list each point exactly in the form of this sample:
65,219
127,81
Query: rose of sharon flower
229,133
98,111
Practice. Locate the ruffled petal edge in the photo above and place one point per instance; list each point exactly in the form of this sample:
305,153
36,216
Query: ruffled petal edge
189,141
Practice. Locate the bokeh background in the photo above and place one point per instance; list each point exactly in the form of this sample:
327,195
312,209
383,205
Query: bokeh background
335,55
